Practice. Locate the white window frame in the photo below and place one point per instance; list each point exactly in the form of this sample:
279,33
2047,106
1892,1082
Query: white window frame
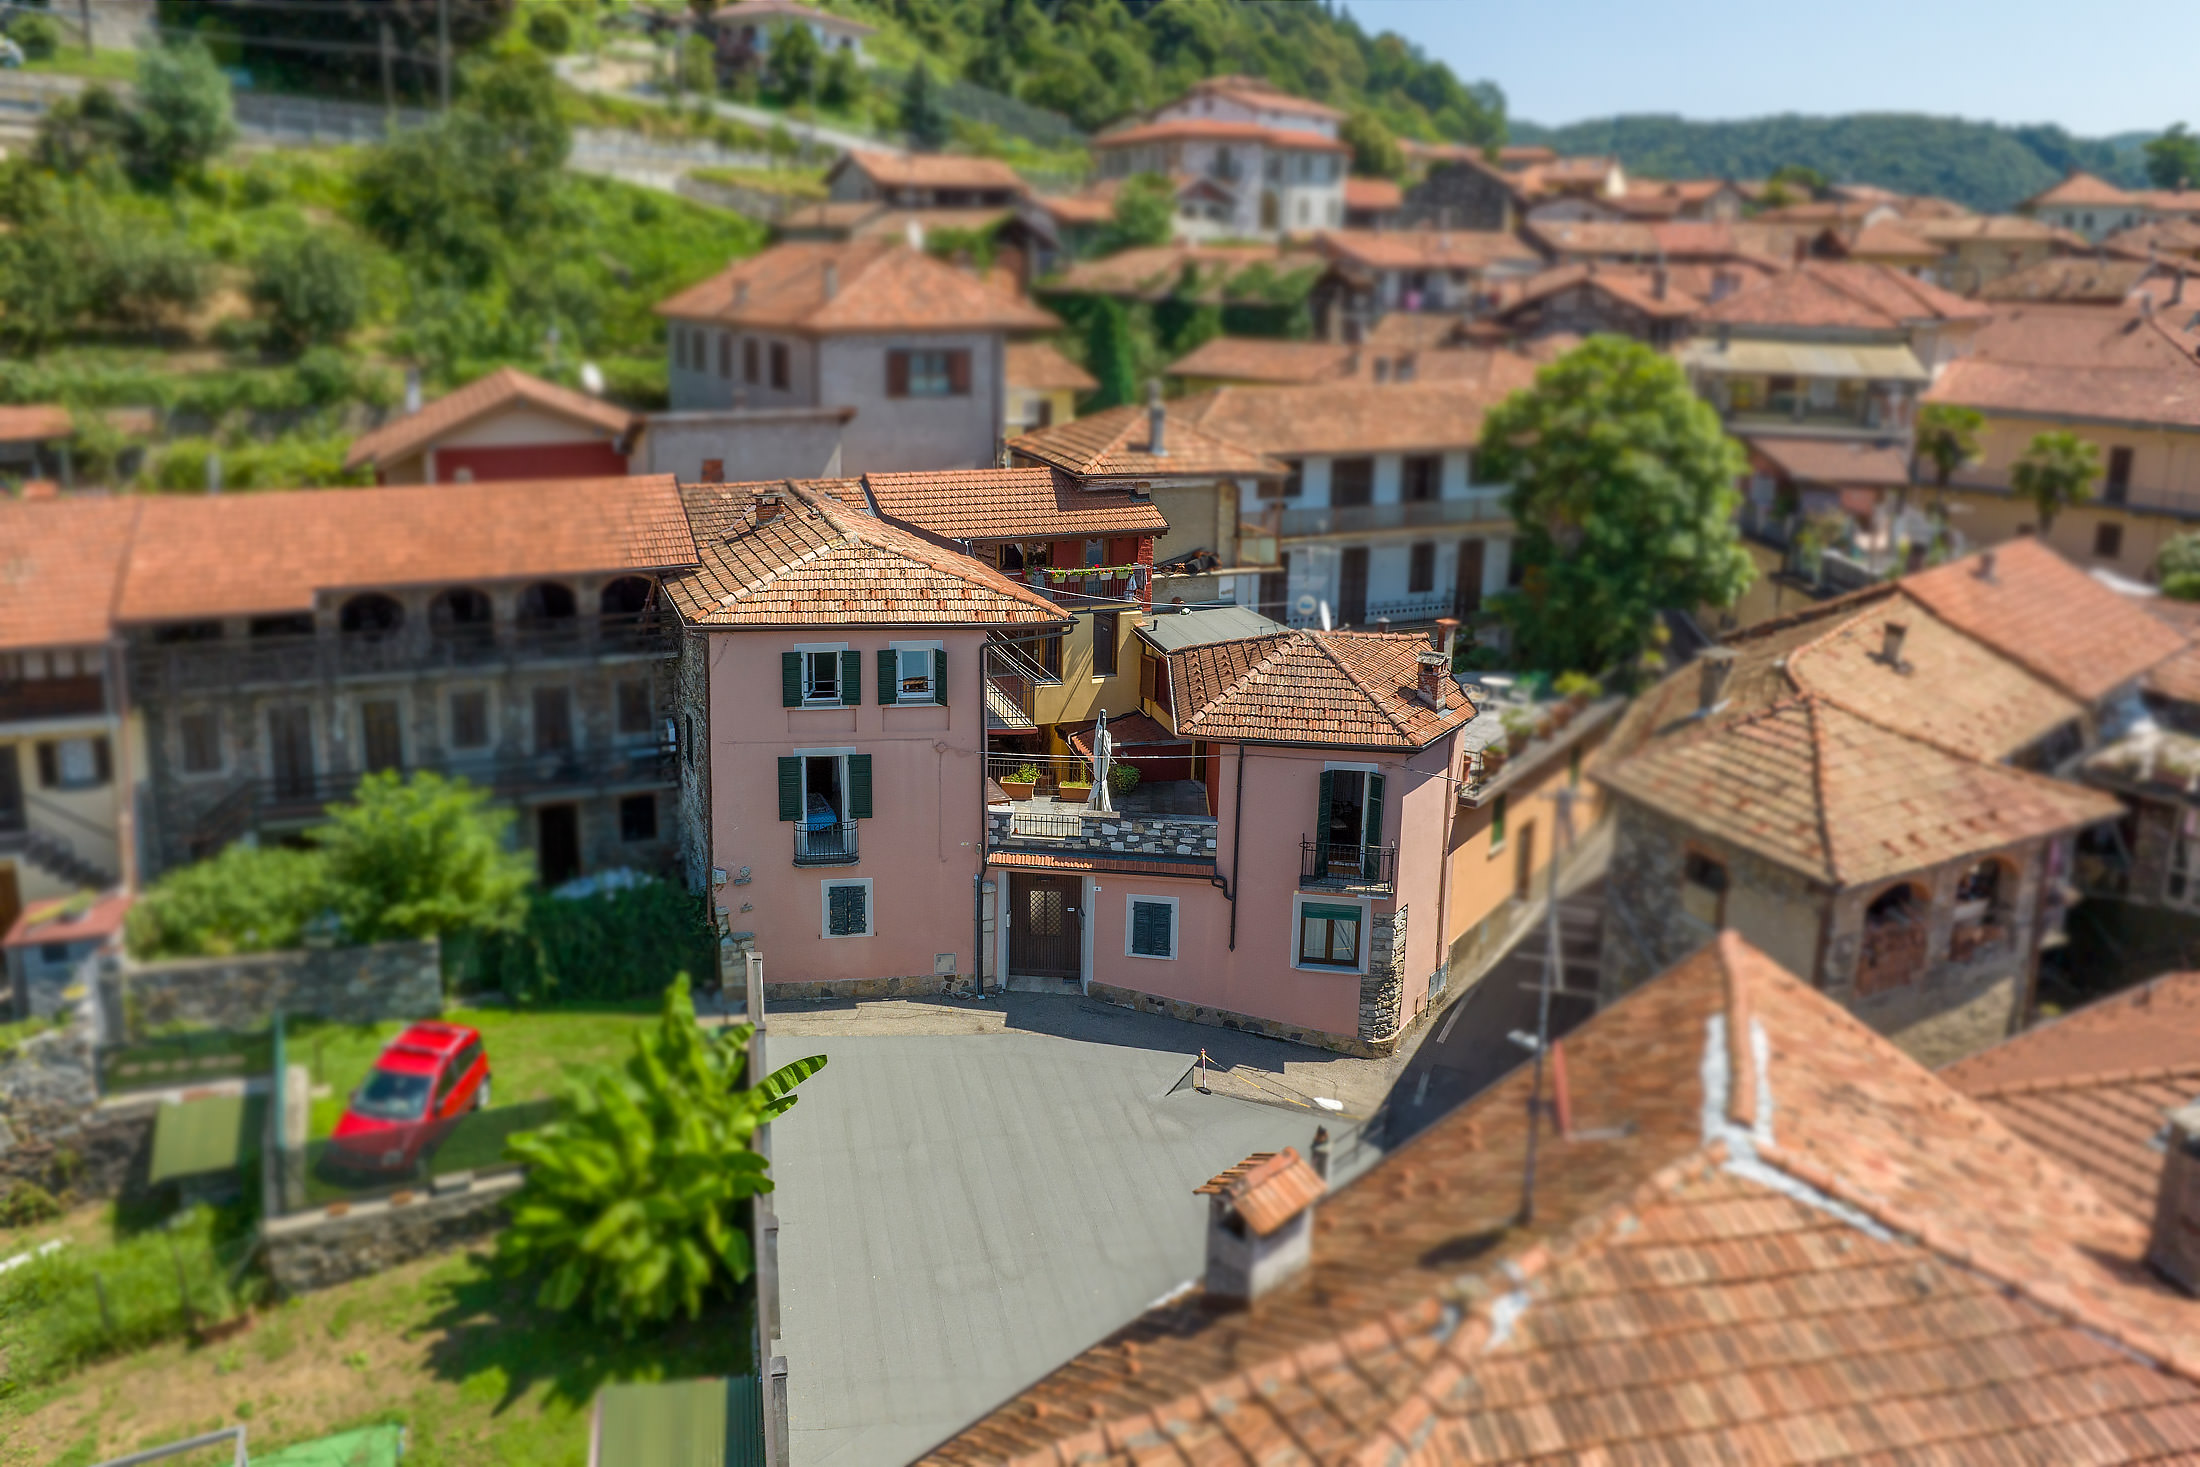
1321,899
825,908
1176,939
841,756
1367,793
806,650
88,746
931,693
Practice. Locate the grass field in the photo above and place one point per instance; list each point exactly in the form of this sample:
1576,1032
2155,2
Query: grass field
456,1352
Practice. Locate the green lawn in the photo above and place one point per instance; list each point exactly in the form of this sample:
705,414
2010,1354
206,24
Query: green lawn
532,1051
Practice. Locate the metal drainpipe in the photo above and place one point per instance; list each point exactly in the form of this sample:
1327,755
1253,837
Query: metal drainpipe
118,718
1237,842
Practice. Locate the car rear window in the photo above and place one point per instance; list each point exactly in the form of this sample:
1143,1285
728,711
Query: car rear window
389,1096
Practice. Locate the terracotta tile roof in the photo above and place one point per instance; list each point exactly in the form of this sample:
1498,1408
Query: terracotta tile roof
1634,287
1113,443
2178,678
822,560
2061,361
260,554
1194,129
1264,359
1766,246
1267,1189
2079,279
1852,294
503,388
1373,195
1341,689
1010,504
2091,1089
2079,188
1132,730
1156,271
1254,91
877,285
1769,1237
1426,249
2171,237
1886,240
1414,330
2003,228
51,921
1099,861
931,170
2044,613
1359,416
1834,461
61,563
35,423
1041,367
894,224
1091,205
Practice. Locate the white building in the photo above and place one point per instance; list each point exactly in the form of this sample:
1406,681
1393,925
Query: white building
1271,163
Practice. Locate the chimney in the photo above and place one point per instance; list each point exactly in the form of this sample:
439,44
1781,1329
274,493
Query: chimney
832,279
412,391
1444,635
1890,650
1157,420
740,294
1435,671
1658,283
2177,288
767,508
1260,1224
1986,565
2174,1246
1802,249
1715,663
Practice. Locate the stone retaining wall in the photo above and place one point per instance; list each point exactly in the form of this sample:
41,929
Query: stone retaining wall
334,1245
53,1131
349,985
1192,1013
918,987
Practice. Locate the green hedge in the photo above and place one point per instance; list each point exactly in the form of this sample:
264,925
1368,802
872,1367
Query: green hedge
623,944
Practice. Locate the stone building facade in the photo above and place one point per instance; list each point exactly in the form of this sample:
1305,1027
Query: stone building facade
1460,195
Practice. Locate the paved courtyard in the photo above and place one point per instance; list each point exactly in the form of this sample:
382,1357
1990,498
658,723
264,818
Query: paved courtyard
967,1204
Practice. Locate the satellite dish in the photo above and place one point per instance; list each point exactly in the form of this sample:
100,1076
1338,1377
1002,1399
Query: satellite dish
591,379
1326,624
1306,604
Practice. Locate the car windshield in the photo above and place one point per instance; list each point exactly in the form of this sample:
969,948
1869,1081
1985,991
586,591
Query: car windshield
389,1096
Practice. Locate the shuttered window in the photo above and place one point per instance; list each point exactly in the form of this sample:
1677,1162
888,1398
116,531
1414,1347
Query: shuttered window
928,374
847,909
813,678
859,786
1329,936
790,788
1153,929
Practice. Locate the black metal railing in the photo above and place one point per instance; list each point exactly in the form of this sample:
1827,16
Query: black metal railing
58,697
1326,867
1046,824
825,845
222,665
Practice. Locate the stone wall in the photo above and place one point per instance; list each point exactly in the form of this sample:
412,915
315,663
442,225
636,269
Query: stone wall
1192,1013
350,985
1178,837
334,1245
913,987
1383,986
691,714
54,1132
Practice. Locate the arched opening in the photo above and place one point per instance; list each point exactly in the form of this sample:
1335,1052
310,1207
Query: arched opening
1985,898
546,603
627,596
1895,930
372,615
459,609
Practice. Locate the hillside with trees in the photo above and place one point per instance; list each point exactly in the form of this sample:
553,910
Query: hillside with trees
1982,164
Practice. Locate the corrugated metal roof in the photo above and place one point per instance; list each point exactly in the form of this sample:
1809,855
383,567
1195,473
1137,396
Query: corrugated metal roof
1171,632
712,1422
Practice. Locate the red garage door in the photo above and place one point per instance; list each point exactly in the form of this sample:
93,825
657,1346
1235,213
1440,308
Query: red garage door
531,461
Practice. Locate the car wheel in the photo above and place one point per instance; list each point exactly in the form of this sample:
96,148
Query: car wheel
481,1096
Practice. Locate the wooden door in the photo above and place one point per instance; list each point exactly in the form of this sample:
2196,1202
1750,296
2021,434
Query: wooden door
1524,862
1352,586
1045,927
290,751
11,899
1466,596
384,742
11,788
558,843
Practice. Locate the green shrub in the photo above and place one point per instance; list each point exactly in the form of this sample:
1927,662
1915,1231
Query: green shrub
421,855
550,29
27,1203
38,35
312,286
629,943
246,899
183,116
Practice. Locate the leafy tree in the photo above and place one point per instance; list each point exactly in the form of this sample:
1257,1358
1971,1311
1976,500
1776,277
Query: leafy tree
1109,355
246,899
422,856
2056,471
841,83
2173,159
550,29
922,116
77,257
795,59
632,1204
38,35
2177,566
1623,489
312,286
183,116
1801,177
1947,437
82,134
1375,150
695,68
1144,214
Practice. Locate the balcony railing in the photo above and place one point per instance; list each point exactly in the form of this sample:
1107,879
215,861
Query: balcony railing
1372,870
825,845
1046,824
1483,506
58,697
225,665
304,795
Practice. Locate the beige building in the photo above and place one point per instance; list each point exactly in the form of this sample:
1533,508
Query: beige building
1042,385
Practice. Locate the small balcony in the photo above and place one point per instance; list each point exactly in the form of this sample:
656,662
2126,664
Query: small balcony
302,795
832,844
1365,870
58,697
1062,828
1482,506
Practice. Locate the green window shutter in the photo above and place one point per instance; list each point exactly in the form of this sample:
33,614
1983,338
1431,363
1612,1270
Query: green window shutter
859,786
1150,930
1371,830
851,678
790,679
939,675
790,788
1321,822
889,677
845,915
1320,912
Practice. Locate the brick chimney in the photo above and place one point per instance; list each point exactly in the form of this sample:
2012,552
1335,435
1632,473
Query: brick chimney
832,279
1435,672
1660,280
1260,1224
1444,635
2174,1247
767,508
1157,420
1986,564
1890,649
1714,666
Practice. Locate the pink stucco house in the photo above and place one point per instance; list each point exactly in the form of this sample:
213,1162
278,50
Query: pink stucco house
831,734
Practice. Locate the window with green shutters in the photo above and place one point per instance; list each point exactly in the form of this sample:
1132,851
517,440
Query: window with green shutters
790,788
796,786
848,908
912,675
1329,935
859,786
820,677
851,678
1152,927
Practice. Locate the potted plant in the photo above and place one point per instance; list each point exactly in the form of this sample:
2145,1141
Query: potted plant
1123,778
1023,784
1076,787
1493,760
1519,730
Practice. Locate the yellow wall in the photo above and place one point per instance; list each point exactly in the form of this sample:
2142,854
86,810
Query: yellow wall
1022,407
86,818
2165,468
1082,697
1484,871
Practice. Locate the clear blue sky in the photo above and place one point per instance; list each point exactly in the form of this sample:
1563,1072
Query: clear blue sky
2101,67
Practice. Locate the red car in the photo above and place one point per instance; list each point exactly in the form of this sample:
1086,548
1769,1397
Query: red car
428,1076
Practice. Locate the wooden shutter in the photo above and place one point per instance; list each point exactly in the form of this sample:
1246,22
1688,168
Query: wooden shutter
1150,935
103,765
859,786
958,373
939,676
49,766
1321,822
790,788
790,679
889,677
1371,831
897,374
851,678
846,916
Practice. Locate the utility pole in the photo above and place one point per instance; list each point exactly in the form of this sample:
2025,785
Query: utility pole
1554,975
84,9
443,49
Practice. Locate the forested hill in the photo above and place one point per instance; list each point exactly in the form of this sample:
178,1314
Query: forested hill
1098,61
1982,164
